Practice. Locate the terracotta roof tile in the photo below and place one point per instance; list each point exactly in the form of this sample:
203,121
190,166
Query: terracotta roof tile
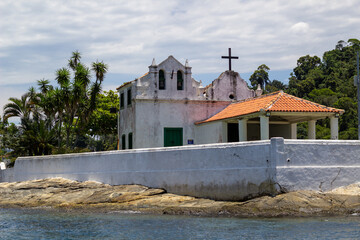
273,102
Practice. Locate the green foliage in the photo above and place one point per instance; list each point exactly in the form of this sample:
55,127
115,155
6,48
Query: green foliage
103,123
53,112
274,86
260,76
329,82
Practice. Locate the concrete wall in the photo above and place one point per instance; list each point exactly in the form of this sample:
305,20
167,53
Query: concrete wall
7,175
126,117
153,116
280,130
227,171
229,83
211,132
231,171
317,164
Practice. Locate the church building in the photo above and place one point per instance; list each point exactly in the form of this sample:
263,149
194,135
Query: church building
167,107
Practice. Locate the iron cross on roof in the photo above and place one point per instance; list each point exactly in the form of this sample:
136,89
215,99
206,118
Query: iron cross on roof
230,57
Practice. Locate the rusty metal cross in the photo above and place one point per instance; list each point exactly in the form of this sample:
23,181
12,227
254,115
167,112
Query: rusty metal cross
230,57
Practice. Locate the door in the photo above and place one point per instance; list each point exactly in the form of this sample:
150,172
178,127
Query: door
233,132
173,137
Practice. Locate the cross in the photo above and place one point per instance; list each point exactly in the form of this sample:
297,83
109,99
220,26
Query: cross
230,57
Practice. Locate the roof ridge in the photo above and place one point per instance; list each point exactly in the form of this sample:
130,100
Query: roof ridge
272,102
127,83
171,56
257,97
313,103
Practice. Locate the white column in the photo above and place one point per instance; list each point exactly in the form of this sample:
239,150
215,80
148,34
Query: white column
264,128
224,133
243,130
334,126
293,131
312,129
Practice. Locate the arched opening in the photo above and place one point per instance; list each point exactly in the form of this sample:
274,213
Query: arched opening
180,80
161,80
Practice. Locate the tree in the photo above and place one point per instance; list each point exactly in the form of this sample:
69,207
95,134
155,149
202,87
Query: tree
46,114
103,123
330,82
275,85
260,76
2,132
304,65
18,108
79,95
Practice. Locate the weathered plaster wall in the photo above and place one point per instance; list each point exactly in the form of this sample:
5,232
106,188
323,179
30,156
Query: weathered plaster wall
226,171
229,83
317,164
126,117
220,171
7,175
170,66
153,116
211,132
280,130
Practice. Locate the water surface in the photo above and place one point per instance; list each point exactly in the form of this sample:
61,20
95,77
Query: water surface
41,224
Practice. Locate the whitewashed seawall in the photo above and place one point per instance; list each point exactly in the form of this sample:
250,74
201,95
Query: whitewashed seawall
220,171
317,164
229,171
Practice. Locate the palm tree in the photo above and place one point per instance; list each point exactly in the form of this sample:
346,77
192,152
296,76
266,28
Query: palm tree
39,135
44,85
100,69
21,108
74,60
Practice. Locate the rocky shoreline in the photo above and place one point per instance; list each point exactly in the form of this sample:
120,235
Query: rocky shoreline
64,194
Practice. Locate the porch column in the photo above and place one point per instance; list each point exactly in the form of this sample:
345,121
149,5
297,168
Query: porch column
312,129
334,126
293,131
243,130
224,132
264,127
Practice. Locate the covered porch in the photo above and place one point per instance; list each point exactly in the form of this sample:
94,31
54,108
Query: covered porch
263,126
272,115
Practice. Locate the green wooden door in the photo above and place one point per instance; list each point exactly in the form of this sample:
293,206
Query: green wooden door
173,137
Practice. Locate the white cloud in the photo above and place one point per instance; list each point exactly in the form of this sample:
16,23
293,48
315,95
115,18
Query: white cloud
300,28
37,37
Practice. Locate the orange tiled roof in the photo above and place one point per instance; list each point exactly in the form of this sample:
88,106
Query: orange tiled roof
273,102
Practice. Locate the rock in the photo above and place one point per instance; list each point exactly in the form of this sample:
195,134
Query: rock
59,193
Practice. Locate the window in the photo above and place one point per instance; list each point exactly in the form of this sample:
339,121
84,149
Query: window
129,96
123,143
161,80
180,80
121,100
130,141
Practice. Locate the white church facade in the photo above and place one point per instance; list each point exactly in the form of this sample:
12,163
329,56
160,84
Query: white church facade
167,107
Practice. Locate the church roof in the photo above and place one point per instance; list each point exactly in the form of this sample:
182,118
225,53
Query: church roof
273,102
127,83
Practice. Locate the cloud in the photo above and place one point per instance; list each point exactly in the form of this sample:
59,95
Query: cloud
300,28
37,37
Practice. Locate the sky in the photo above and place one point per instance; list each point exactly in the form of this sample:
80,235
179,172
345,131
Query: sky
38,37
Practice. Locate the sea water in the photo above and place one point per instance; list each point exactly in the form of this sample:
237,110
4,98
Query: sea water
42,224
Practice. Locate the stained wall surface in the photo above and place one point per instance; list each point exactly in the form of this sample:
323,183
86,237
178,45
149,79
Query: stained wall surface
226,171
218,171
